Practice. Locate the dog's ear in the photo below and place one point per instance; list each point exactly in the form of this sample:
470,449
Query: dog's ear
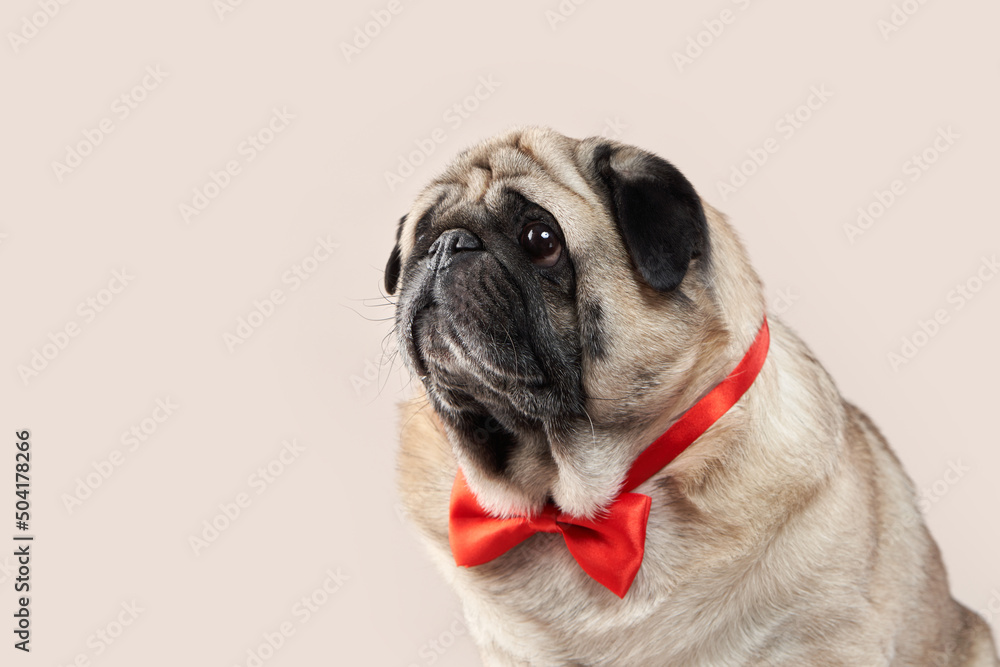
657,210
393,266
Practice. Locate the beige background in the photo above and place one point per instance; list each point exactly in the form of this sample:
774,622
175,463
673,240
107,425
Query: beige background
314,370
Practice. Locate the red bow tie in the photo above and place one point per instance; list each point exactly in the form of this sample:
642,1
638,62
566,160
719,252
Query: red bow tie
609,548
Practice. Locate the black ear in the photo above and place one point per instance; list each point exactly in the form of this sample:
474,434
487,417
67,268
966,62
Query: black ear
393,266
658,212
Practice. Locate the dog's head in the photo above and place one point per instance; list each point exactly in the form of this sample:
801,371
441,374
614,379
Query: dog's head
562,301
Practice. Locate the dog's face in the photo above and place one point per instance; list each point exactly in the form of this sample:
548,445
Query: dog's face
556,298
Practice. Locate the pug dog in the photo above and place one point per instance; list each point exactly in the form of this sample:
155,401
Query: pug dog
569,306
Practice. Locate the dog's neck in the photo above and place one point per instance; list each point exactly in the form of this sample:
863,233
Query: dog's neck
586,486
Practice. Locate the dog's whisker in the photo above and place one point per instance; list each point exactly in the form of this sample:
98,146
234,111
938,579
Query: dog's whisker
593,433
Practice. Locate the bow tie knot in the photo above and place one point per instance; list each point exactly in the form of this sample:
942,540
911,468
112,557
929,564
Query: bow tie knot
546,522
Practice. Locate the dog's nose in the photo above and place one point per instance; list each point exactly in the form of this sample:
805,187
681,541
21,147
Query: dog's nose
451,242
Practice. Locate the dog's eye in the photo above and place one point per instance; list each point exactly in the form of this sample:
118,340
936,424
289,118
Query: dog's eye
541,243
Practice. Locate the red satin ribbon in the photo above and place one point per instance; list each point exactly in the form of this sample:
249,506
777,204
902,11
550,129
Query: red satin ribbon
610,548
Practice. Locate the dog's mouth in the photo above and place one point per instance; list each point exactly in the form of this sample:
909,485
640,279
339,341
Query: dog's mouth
464,360
415,339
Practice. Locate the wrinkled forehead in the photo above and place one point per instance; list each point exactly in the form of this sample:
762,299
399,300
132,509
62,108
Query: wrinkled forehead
540,165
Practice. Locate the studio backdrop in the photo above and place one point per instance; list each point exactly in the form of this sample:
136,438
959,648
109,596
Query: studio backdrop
198,202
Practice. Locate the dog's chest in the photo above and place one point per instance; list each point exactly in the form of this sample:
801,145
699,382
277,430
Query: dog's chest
535,604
